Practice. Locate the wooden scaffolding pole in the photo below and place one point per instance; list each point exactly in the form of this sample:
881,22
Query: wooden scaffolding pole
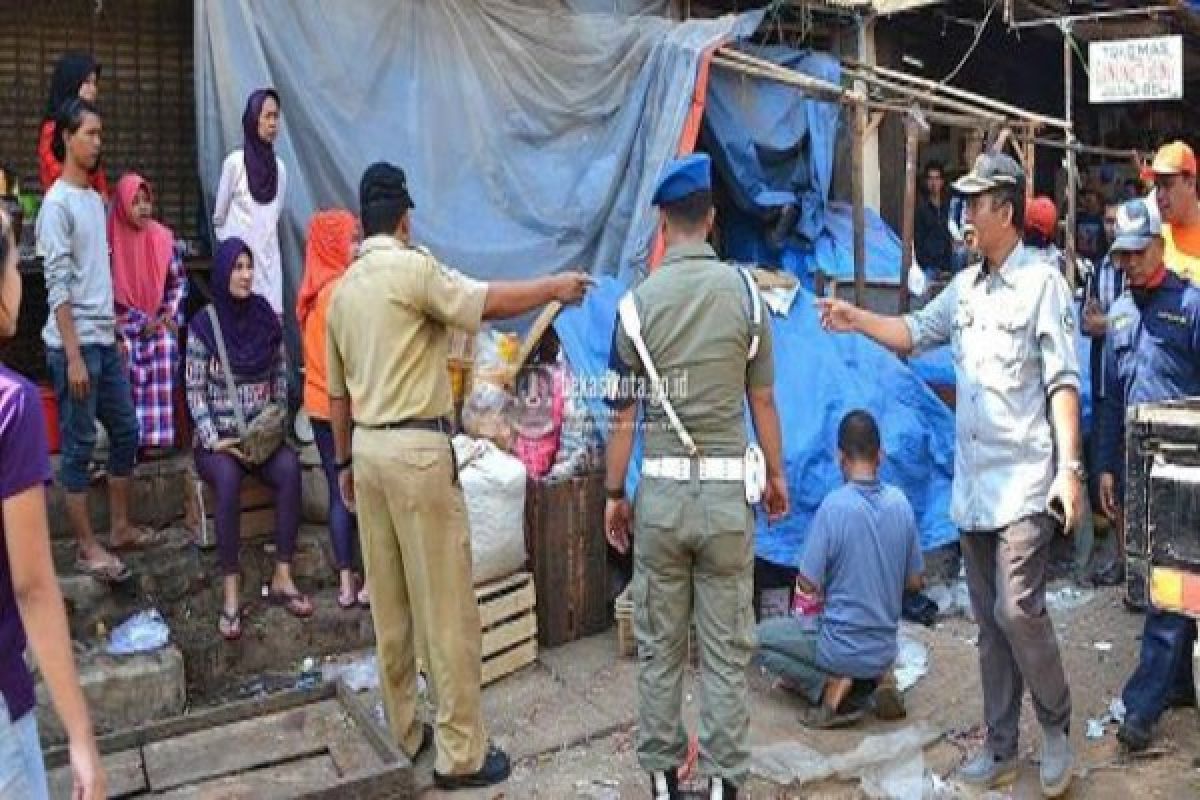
1072,177
910,209
856,190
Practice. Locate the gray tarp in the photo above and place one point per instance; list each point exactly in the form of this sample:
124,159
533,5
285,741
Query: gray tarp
532,137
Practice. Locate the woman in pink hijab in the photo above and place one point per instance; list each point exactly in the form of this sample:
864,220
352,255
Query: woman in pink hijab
148,288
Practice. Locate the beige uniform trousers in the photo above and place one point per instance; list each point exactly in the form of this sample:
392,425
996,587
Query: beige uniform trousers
417,552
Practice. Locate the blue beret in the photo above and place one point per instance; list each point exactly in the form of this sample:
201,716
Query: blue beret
682,177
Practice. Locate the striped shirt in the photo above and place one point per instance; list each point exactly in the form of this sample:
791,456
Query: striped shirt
209,400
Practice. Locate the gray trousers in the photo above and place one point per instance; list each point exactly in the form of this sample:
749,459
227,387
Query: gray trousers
1006,579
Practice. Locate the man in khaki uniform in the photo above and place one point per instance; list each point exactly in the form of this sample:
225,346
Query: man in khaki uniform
705,334
388,329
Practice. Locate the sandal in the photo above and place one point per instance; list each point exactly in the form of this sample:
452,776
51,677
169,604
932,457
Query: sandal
824,718
364,598
114,571
294,603
143,539
232,630
347,602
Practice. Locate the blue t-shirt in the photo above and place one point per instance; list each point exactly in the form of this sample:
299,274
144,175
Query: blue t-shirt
861,547
24,463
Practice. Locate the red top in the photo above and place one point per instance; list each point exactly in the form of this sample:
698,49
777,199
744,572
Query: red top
50,168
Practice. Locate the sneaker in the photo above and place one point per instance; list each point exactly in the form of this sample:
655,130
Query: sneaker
1134,734
1058,762
495,769
664,785
721,789
986,771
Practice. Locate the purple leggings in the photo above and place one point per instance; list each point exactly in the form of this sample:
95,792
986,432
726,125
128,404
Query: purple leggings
224,474
343,525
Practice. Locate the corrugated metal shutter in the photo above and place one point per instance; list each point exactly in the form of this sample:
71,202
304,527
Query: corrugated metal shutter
146,90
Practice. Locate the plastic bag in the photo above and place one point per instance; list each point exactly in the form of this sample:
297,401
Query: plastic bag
141,633
579,444
488,413
539,417
493,484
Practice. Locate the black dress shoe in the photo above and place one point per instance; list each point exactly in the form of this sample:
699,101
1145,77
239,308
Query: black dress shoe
495,769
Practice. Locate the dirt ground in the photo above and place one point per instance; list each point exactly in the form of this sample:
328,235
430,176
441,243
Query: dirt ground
569,721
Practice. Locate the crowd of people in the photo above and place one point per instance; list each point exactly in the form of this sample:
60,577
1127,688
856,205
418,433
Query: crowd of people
115,286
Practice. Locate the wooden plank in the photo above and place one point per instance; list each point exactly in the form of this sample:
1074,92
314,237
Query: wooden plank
505,636
216,752
910,210
203,720
505,664
123,769
279,782
506,606
378,738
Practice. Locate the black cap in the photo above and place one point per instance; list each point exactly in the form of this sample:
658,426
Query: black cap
384,184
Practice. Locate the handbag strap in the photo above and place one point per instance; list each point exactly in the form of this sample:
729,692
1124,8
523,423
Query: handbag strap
229,384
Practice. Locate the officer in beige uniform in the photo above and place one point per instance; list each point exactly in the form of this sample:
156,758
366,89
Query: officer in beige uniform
694,341
387,337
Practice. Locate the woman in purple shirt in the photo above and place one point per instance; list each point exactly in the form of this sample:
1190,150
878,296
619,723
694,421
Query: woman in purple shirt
29,596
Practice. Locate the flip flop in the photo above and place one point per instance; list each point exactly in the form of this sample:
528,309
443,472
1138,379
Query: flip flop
292,602
233,630
113,572
349,605
143,539
364,599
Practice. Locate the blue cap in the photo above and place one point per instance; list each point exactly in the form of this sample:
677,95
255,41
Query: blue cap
682,177
1138,223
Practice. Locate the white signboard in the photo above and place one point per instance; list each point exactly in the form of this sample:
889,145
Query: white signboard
1136,70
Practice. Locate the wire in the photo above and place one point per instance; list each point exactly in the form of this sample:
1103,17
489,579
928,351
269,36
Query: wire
978,37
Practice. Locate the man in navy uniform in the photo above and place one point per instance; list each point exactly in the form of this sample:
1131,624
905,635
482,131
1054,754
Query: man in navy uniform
1152,354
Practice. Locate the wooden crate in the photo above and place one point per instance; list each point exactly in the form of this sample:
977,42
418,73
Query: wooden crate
302,744
564,535
257,503
509,623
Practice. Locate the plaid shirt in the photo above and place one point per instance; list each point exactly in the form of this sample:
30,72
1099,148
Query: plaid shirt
153,362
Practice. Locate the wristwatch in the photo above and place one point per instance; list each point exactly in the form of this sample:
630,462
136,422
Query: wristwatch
615,494
1076,467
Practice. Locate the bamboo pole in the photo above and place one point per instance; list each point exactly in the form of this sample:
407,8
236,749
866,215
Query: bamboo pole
963,94
1072,177
728,58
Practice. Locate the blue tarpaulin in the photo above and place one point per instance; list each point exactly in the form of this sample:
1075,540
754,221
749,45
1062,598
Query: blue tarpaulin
818,378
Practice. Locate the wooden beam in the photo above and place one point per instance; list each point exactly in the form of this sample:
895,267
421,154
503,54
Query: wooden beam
924,98
728,58
970,97
910,209
859,214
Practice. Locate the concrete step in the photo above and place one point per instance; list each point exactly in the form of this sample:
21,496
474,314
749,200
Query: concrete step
121,691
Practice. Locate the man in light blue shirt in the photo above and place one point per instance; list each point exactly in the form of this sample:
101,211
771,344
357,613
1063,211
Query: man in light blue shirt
861,553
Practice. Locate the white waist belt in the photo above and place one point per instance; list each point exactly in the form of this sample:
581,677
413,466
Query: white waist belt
680,469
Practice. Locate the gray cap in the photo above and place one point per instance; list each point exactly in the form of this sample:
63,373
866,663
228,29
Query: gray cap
990,171
1138,223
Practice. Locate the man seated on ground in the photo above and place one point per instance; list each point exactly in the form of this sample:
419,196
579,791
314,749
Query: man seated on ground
862,553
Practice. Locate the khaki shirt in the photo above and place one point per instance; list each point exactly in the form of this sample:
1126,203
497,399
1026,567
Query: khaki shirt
697,324
1012,333
388,332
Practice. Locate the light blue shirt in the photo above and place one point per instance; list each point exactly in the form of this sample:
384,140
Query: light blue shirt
861,547
1012,336
72,239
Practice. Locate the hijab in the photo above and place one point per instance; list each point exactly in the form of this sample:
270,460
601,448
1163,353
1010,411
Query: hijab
249,326
262,171
327,255
141,254
69,74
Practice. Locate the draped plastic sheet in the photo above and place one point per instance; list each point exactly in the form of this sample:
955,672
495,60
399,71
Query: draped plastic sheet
532,135
772,145
818,378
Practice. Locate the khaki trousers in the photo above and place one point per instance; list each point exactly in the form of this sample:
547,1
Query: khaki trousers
417,552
